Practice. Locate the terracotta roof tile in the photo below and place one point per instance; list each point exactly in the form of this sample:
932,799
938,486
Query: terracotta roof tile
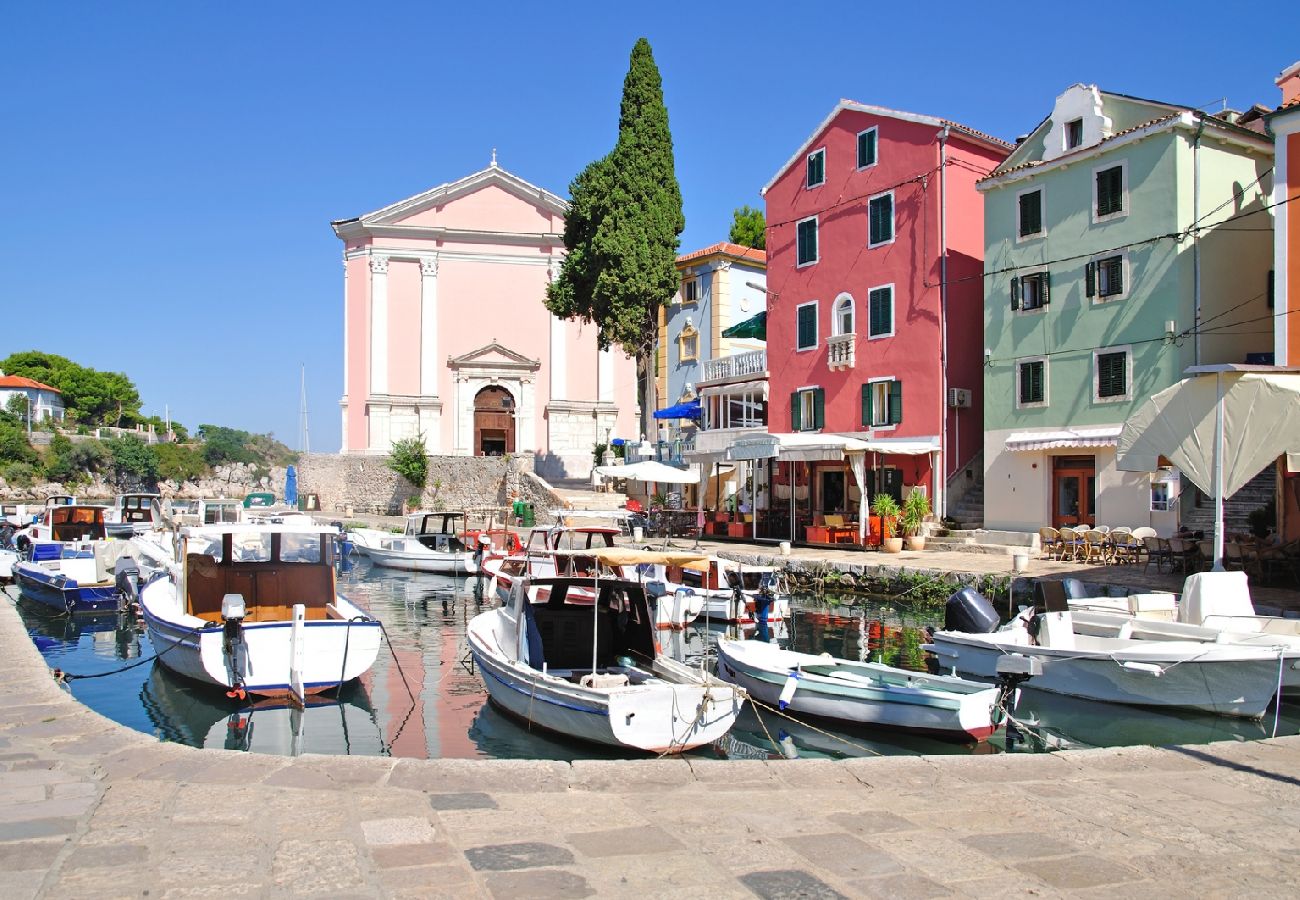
18,381
998,173
727,248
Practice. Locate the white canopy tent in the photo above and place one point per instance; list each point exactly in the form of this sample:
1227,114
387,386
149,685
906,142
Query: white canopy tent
651,470
1221,426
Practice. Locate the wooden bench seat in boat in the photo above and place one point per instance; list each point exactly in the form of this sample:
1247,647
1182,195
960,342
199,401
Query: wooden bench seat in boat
270,590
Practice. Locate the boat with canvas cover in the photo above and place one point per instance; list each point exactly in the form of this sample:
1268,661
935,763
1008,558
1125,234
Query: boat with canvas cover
592,671
861,693
71,561
254,609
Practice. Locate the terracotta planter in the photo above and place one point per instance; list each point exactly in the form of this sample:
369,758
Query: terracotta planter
916,542
893,545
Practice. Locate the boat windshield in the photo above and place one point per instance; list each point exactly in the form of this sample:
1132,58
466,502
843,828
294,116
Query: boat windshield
300,548
251,547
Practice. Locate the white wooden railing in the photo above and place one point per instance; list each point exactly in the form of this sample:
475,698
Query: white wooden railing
751,362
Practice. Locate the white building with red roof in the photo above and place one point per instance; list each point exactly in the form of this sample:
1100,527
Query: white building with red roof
44,401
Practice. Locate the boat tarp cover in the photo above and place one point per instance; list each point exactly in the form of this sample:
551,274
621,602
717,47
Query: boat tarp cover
630,556
1261,421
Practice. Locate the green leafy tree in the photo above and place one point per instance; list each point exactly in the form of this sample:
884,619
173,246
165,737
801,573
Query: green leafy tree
622,231
226,445
18,474
90,396
749,228
14,446
178,462
132,458
410,459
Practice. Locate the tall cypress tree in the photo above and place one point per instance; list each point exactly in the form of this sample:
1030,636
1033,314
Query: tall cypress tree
623,226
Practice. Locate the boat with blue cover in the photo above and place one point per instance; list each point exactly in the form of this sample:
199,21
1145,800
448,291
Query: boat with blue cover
70,567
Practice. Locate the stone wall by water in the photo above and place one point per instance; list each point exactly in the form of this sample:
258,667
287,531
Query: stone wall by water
361,483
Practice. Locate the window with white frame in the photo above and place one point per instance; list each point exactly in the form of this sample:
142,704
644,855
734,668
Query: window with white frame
882,403
1112,373
816,168
880,219
1104,278
1031,382
867,147
689,343
806,326
880,312
1031,290
844,314
1110,192
1073,134
691,289
807,409
1029,214
806,233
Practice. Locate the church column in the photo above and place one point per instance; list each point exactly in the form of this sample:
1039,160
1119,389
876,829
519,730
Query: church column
429,327
378,324
559,362
605,374
525,415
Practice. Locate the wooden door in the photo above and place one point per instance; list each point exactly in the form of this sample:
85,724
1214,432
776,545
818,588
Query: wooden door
1073,496
494,422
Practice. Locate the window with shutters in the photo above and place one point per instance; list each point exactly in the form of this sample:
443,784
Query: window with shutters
1105,278
882,403
867,148
808,409
1110,192
880,312
1029,214
880,220
691,290
1030,291
1111,374
1074,134
806,232
1031,382
806,326
843,322
816,168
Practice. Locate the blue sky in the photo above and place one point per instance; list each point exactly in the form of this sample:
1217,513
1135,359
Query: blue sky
170,170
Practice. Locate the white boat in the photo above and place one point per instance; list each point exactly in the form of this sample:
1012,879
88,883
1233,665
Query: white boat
860,693
1225,679
591,671
253,609
432,542
538,557
133,513
734,592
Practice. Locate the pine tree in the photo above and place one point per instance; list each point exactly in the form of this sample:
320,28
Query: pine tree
748,228
621,233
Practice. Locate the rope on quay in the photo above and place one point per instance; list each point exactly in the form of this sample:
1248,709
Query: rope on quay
804,724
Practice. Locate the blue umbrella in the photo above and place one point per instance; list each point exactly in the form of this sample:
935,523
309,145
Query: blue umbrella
291,486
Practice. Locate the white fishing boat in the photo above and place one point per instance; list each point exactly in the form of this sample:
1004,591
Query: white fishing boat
253,609
537,559
432,542
133,513
592,671
861,693
1226,679
736,593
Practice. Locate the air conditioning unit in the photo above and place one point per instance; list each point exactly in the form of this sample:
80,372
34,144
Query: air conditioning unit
958,397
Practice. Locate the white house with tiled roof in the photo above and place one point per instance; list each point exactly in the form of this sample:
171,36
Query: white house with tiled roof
45,402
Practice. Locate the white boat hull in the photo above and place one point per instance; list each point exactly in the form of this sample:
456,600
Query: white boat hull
426,561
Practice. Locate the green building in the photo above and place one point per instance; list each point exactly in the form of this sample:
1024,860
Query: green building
1125,241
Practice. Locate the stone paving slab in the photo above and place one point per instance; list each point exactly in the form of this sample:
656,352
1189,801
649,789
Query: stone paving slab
91,809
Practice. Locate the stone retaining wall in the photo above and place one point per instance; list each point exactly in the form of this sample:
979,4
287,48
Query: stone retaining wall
362,483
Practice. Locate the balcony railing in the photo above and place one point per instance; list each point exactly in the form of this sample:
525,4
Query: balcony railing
840,351
738,365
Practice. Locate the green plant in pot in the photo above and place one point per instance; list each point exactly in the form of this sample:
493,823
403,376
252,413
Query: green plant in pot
885,506
916,507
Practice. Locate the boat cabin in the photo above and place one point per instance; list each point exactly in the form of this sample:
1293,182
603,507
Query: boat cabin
136,508
217,511
271,568
439,531
71,523
588,537
564,635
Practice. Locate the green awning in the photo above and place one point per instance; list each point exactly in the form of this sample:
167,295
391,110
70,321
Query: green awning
753,327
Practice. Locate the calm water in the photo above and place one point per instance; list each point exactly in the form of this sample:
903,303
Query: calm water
423,701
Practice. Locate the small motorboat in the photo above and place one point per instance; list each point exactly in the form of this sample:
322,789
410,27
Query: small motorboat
592,670
861,693
253,609
133,513
432,542
1225,679
71,561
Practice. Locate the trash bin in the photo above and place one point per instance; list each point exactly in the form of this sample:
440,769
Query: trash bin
517,511
529,517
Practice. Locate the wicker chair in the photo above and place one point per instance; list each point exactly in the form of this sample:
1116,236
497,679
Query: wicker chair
1096,548
1049,539
1126,548
1070,543
1158,550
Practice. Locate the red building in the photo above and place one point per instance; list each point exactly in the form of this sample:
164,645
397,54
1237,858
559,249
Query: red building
875,249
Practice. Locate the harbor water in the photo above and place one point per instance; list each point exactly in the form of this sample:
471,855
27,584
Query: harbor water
423,699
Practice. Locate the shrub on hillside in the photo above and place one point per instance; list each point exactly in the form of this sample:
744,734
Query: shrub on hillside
14,446
410,459
132,458
18,474
178,462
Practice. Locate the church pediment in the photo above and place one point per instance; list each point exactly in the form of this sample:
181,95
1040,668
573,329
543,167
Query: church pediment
493,179
494,356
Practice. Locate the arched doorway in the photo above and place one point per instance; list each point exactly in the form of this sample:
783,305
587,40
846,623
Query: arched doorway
494,422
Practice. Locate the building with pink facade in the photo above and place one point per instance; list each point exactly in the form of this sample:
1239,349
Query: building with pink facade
445,332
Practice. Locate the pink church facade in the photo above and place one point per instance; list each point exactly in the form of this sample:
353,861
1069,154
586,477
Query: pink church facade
446,333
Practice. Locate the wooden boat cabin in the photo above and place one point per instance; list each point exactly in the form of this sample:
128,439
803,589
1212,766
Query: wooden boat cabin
136,508
72,523
272,569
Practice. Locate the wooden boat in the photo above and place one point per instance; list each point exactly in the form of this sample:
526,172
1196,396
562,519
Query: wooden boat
432,542
70,562
253,609
860,693
592,671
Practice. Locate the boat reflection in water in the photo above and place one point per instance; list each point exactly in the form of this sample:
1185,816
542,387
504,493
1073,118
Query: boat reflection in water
186,712
111,635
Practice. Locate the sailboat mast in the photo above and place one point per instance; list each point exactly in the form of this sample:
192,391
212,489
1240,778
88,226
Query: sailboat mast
304,434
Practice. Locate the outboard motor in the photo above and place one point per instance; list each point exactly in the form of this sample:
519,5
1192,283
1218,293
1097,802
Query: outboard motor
969,612
233,611
126,579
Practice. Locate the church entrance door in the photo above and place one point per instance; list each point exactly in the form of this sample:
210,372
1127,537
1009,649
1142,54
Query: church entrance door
494,422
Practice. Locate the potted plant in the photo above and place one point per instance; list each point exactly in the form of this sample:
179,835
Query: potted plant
916,507
885,506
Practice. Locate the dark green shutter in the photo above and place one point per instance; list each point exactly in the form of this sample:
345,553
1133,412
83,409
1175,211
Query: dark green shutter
807,327
819,408
866,405
1090,279
881,319
880,213
1031,213
1114,275
1269,289
1024,382
795,424
1044,288
866,148
1111,376
895,402
1015,292
1110,191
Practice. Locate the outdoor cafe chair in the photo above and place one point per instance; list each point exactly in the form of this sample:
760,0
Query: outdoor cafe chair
1049,539
1095,546
1145,531
1104,529
1069,543
1126,548
1158,550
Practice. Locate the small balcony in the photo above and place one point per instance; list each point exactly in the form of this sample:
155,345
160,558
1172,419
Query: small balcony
738,365
841,350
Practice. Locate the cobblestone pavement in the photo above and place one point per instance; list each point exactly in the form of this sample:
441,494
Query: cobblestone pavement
92,809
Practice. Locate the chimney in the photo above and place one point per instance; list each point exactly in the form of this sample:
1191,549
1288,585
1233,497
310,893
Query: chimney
1289,82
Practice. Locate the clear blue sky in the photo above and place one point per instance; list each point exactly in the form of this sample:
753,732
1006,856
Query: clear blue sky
170,169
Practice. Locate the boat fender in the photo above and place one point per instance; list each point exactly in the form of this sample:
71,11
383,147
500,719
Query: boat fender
787,692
